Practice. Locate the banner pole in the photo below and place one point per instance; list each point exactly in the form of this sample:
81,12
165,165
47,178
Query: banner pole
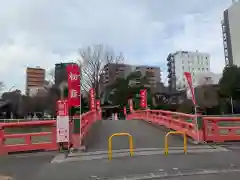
80,110
188,77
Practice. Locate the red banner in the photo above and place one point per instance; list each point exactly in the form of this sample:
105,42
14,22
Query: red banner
98,104
92,99
189,81
125,110
62,108
74,91
130,105
143,98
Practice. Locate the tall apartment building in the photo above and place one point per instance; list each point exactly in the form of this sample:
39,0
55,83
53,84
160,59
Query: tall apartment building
35,79
153,75
61,73
111,72
114,71
184,61
231,34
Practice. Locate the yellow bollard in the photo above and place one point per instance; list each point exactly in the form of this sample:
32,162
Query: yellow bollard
184,141
119,134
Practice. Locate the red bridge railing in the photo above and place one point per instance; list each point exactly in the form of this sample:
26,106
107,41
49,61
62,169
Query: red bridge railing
11,141
39,135
221,129
200,128
172,120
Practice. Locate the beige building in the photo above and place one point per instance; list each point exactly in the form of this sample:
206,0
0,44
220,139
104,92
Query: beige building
35,79
153,75
113,71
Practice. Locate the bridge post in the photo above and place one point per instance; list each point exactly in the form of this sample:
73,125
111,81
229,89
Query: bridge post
2,151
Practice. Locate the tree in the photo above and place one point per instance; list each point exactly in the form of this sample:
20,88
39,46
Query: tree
230,82
1,86
124,89
92,62
51,75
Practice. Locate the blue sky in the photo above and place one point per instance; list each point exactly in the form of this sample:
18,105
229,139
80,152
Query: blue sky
43,32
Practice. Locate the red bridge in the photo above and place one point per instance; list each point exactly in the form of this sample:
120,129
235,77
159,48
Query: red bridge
148,130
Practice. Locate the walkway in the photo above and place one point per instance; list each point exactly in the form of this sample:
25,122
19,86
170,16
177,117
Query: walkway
144,135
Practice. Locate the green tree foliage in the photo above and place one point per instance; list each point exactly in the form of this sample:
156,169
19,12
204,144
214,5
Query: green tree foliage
126,88
230,82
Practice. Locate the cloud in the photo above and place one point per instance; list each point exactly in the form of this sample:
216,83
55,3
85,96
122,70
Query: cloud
42,33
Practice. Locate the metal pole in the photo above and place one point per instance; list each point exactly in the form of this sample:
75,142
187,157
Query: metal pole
80,118
231,100
196,121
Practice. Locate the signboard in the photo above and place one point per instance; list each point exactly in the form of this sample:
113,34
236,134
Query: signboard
143,98
188,77
62,129
92,99
130,105
97,104
62,108
73,72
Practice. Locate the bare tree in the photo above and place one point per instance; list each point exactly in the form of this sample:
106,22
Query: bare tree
1,86
92,61
51,75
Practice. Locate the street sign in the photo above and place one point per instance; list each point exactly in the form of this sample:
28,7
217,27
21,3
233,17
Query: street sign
62,108
62,129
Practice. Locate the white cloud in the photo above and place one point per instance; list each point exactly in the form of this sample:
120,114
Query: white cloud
42,33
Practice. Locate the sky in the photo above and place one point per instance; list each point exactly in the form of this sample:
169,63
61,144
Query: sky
43,32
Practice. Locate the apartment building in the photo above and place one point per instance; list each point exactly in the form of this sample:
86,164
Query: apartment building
153,75
61,73
114,71
185,61
35,79
231,34
111,72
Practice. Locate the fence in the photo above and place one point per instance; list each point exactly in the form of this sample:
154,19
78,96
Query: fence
172,120
221,129
38,135
199,128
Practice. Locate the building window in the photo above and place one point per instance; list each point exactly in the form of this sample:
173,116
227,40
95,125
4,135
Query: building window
202,69
207,69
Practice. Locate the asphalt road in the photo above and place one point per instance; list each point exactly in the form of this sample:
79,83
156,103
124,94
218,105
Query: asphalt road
144,135
24,166
214,165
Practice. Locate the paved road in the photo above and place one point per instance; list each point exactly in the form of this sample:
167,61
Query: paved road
144,135
24,166
209,164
